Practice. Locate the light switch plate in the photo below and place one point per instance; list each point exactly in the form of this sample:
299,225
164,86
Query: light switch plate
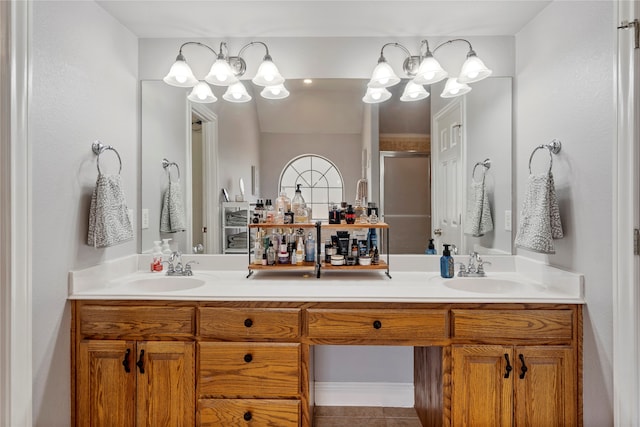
507,220
145,219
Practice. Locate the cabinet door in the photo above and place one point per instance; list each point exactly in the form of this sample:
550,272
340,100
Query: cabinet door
545,394
481,395
105,390
166,375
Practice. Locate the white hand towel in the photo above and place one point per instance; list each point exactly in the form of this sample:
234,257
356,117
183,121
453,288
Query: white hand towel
172,216
478,219
540,216
109,222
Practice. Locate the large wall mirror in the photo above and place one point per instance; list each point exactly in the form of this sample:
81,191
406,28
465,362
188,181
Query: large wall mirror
402,149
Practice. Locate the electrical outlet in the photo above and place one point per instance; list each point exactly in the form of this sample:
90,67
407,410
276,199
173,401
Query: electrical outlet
145,219
507,220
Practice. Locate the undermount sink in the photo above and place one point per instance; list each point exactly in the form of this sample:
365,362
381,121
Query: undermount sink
165,284
484,285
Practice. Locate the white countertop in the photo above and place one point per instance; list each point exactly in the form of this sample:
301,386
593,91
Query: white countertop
223,278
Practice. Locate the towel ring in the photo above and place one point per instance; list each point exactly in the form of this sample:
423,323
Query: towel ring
554,147
98,148
166,163
486,164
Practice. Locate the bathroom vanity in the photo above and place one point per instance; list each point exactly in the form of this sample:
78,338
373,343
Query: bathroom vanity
225,350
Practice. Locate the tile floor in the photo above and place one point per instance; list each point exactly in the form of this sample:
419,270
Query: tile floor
358,416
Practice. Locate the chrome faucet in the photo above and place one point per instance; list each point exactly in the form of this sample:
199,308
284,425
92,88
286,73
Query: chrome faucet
475,267
175,267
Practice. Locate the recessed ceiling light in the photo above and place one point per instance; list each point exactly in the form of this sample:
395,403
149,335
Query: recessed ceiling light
307,81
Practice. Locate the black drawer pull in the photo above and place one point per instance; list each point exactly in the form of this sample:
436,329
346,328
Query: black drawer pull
523,369
508,369
248,357
377,324
140,362
247,416
248,323
125,362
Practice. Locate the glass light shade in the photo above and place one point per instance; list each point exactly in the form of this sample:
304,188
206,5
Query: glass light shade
473,70
268,74
383,76
237,93
221,74
202,94
375,95
453,88
429,72
180,74
275,92
413,92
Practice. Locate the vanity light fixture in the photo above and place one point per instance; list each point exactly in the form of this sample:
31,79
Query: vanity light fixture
225,71
424,69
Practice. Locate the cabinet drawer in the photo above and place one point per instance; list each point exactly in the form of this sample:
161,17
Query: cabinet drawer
249,323
364,324
253,412
138,321
513,324
249,369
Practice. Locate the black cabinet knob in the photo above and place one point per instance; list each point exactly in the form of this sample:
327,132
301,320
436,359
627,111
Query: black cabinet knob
247,416
248,323
248,357
377,324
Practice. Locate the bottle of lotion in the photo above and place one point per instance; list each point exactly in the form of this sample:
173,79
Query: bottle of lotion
446,263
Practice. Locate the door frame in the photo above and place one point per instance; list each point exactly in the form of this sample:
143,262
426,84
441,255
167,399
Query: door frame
210,169
626,210
16,372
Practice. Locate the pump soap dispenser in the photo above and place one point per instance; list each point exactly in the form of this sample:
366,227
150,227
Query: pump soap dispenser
431,249
446,263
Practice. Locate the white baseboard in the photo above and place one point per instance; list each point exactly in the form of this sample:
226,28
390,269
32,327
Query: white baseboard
397,395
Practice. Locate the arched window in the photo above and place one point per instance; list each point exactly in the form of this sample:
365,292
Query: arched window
320,182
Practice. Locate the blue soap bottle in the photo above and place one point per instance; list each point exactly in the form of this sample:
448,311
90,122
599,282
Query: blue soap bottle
431,249
446,263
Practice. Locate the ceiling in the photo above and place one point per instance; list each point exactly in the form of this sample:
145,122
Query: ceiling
322,18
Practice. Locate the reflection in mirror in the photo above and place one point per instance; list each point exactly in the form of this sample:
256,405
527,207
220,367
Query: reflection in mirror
257,140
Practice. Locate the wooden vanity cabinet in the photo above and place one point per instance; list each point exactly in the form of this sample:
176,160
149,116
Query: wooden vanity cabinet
250,363
517,383
134,365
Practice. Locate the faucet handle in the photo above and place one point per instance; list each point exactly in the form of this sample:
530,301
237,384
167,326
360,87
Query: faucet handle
481,265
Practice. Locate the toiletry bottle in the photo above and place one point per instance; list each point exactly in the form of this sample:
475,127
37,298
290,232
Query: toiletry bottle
166,250
271,254
156,260
299,207
283,205
375,259
257,251
299,251
350,215
431,249
446,263
310,249
354,248
271,212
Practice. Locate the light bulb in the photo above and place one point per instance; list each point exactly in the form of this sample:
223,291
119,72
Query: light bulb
383,80
237,95
221,77
413,95
376,95
181,78
275,91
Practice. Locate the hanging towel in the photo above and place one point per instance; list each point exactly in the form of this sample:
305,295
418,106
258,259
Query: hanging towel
109,222
478,219
540,216
172,216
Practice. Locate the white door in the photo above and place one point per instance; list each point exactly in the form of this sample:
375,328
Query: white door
446,151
